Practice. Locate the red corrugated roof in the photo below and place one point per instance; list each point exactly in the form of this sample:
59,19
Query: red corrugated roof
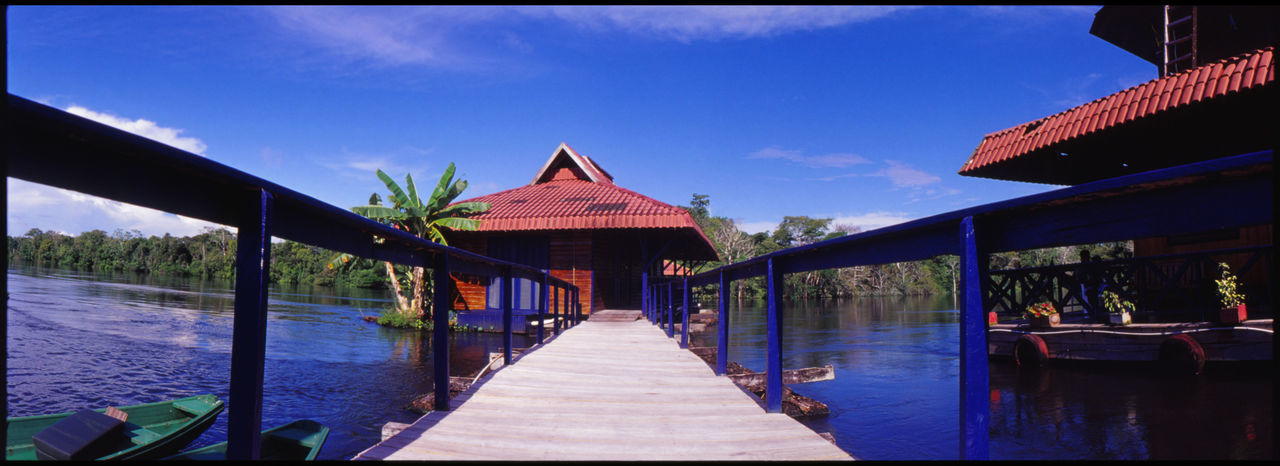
572,192
1251,70
570,204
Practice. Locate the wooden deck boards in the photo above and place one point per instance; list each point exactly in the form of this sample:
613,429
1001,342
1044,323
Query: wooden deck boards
609,389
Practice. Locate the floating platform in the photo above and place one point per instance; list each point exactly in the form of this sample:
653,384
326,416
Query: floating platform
1197,342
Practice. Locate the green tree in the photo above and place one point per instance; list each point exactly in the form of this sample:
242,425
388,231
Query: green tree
426,218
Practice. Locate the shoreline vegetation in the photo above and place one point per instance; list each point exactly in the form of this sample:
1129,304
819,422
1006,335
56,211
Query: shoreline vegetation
211,255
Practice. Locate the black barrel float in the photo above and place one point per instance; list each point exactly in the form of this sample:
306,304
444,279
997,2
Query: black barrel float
1030,351
1182,354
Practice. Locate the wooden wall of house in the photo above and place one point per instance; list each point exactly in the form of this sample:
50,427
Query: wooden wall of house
1255,278
471,290
571,262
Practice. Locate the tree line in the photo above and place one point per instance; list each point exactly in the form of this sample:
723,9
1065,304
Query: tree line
210,254
935,276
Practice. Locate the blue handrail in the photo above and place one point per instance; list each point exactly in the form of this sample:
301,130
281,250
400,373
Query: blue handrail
1227,192
55,148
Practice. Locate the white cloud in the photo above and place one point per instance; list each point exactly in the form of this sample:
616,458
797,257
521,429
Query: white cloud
752,228
32,205
458,36
689,23
872,220
145,128
834,160
905,176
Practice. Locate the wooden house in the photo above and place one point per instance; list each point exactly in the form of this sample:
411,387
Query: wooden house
575,222
1214,96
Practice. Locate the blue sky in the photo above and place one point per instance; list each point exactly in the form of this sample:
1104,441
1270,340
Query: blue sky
860,114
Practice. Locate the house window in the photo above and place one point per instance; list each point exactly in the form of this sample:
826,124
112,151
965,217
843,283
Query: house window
534,251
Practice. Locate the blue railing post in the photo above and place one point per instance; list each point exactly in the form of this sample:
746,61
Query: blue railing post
684,324
440,330
671,310
644,294
543,303
555,310
506,293
249,328
773,376
975,402
576,306
722,342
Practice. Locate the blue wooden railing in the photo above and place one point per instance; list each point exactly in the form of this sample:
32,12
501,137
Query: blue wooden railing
1223,193
47,146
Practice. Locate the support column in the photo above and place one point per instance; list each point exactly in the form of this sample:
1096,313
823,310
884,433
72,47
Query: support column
975,402
544,301
722,341
671,311
644,294
555,311
249,327
684,323
440,329
506,315
773,376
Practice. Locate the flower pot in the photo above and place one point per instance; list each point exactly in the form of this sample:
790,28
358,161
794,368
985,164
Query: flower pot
992,318
1121,318
1232,315
1051,320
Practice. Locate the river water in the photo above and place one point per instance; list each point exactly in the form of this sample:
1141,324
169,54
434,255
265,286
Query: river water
78,339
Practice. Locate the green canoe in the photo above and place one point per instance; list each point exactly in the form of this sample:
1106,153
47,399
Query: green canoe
297,440
153,430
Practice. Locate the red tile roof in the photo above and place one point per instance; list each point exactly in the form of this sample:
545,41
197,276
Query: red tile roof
1193,87
572,192
570,204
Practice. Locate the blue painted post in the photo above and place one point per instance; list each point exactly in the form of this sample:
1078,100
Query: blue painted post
506,315
722,342
576,306
684,323
555,310
543,303
644,294
671,311
975,402
440,330
249,328
773,377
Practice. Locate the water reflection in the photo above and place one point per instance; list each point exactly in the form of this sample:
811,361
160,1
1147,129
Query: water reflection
91,340
896,393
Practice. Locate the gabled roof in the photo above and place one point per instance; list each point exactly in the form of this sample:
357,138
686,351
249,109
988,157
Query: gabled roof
1216,110
580,166
572,192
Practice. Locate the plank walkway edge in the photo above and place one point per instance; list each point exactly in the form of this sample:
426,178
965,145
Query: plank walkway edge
707,418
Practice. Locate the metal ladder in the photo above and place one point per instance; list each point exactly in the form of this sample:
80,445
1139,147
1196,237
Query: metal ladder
1179,39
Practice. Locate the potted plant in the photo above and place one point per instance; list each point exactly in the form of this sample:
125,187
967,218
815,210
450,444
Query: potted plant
1043,315
1118,309
1232,301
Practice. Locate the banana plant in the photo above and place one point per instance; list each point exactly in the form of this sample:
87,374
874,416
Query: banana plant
428,219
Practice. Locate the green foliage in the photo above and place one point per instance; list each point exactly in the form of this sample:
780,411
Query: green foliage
1228,287
210,254
1115,304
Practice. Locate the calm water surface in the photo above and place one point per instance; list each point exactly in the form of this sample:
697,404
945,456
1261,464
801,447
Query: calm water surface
896,392
77,340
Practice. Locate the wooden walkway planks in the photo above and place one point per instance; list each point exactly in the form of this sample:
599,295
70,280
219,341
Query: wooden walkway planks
609,389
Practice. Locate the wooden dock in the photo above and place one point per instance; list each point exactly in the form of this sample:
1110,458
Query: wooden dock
612,388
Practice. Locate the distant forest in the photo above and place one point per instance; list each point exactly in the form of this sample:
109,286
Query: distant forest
211,254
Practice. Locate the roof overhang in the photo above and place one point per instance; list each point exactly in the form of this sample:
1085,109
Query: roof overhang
1217,110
